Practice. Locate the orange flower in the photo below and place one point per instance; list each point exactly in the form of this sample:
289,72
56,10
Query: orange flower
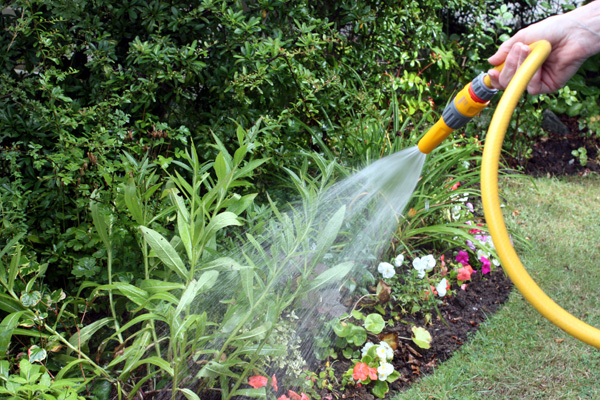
274,382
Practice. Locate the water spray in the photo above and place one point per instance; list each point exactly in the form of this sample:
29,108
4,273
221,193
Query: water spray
469,102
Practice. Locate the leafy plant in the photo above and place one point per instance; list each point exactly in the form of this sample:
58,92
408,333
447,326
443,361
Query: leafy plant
34,381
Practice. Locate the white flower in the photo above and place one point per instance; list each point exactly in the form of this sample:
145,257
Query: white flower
496,262
481,253
424,264
466,164
441,287
389,352
385,370
381,353
399,260
490,242
430,262
366,348
386,270
456,212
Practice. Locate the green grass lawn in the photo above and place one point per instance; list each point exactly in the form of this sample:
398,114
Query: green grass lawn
517,353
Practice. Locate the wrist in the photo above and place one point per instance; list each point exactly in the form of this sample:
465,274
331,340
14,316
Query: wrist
585,23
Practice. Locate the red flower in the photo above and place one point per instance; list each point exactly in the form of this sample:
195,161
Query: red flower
257,381
362,372
455,186
464,273
283,397
295,396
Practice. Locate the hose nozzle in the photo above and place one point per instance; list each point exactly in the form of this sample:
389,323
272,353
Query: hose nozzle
473,98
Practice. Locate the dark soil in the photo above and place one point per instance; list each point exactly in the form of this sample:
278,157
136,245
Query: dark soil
460,315
552,154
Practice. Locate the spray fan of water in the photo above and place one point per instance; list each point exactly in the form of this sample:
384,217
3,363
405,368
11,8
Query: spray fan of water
268,310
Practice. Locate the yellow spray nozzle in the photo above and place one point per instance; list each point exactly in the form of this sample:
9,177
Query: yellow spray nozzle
469,102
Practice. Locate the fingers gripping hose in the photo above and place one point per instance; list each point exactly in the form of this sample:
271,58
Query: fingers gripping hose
493,214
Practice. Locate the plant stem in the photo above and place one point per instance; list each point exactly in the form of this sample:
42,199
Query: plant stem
110,296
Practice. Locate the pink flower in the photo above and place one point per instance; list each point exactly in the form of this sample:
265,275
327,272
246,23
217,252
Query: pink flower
471,245
485,265
257,381
463,286
462,257
283,397
362,372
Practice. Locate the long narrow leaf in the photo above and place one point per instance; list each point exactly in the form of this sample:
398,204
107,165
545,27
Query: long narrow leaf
333,274
164,251
86,333
7,326
132,201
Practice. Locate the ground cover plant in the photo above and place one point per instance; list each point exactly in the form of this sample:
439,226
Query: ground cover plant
150,153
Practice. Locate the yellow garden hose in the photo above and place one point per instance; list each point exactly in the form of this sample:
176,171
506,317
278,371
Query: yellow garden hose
493,214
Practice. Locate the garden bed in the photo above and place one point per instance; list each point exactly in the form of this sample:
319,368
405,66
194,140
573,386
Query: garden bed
459,316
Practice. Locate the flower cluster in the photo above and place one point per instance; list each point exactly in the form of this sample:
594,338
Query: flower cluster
374,364
387,270
259,381
424,264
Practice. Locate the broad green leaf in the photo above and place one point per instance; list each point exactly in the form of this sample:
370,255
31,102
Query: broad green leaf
30,299
358,335
380,389
85,267
36,354
333,274
421,337
132,201
164,251
7,326
342,329
84,335
374,323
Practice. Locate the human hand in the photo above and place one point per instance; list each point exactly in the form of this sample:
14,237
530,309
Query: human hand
573,38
